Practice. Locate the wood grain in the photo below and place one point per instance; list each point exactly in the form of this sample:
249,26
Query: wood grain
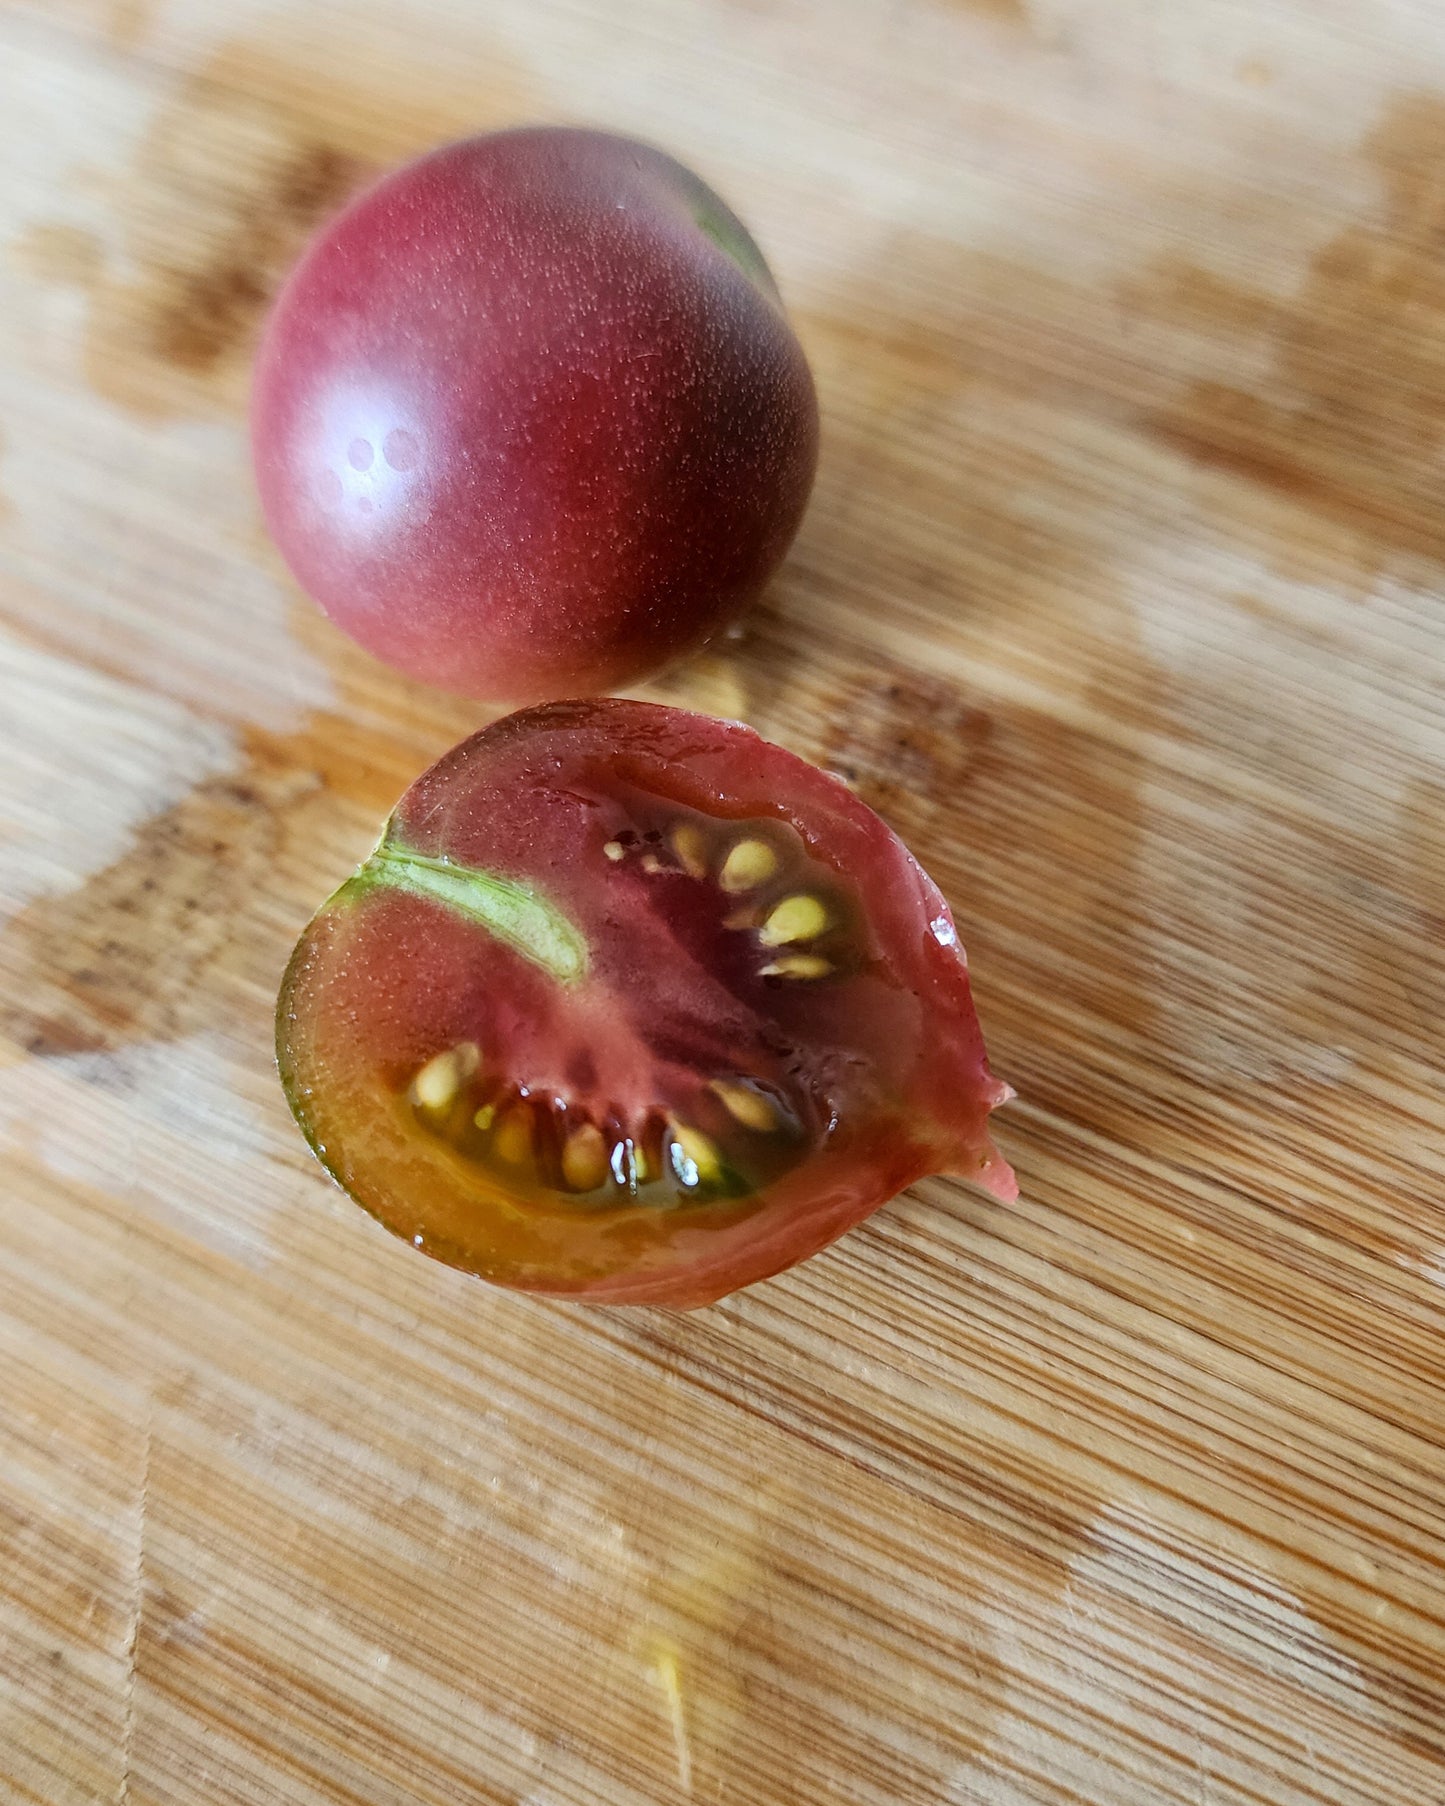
1120,596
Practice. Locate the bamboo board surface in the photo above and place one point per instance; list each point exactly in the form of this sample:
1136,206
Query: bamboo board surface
1120,596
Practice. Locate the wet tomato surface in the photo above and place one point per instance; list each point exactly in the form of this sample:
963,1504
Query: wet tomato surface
632,1005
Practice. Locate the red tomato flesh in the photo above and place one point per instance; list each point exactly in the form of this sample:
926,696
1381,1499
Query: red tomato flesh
631,1005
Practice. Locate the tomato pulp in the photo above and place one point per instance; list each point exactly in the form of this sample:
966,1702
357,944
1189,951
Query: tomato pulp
632,1005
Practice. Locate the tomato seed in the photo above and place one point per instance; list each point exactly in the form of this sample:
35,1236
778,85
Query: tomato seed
744,1105
694,1158
800,918
691,849
438,1082
798,965
748,864
584,1158
513,1140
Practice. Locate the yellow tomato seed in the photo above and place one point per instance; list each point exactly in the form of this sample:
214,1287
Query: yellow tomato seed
799,918
744,1105
438,1082
513,1140
584,1158
798,965
748,864
691,849
695,1159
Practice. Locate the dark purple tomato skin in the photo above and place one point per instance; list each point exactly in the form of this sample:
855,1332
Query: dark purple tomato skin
529,419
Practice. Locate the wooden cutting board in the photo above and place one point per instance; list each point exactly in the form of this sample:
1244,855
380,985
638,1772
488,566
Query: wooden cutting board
1120,597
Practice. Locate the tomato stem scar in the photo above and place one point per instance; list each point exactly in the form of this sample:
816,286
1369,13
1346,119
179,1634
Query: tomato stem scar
513,912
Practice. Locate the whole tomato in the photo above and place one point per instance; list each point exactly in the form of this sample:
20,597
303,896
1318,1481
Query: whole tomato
529,419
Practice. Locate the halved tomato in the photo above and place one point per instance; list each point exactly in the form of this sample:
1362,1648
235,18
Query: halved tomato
632,1005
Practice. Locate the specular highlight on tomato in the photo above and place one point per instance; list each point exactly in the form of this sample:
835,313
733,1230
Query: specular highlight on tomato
631,1005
